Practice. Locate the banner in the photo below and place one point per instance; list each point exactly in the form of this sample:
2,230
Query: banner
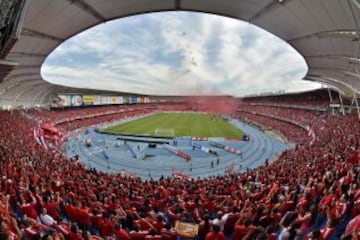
178,152
67,100
116,100
218,145
64,100
125,100
76,100
187,230
200,147
88,100
97,100
105,100
226,148
132,100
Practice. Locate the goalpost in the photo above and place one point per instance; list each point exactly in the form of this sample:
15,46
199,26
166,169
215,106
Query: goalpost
164,132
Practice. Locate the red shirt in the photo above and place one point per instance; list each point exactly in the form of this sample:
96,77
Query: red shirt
82,216
215,236
75,236
230,223
240,231
107,228
144,226
29,210
121,234
70,212
159,225
51,209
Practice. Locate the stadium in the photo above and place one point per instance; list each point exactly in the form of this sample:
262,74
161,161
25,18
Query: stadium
85,163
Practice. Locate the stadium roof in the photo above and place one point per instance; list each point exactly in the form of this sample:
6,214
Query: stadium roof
325,32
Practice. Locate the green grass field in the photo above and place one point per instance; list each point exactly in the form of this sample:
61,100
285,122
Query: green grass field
184,124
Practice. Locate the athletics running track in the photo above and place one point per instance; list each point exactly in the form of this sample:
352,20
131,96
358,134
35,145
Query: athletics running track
110,155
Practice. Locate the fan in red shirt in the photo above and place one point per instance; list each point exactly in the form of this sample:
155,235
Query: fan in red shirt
241,230
107,227
51,206
81,216
159,223
28,208
215,234
120,233
143,222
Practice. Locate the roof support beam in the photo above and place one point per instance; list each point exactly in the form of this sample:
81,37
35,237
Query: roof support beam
83,5
37,34
327,69
25,54
20,75
351,34
345,58
357,4
323,56
21,91
329,84
302,37
330,80
27,66
264,10
21,81
39,93
46,97
272,5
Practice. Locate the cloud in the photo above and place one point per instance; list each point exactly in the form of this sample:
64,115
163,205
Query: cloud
171,53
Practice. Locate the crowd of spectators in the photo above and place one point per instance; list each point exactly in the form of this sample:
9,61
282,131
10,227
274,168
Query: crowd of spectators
288,131
310,192
317,100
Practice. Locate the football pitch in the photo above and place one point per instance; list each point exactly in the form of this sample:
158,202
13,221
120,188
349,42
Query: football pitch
178,125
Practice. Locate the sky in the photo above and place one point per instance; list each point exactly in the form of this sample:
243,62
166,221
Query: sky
177,53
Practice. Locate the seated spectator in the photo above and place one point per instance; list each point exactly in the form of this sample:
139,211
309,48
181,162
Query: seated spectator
46,219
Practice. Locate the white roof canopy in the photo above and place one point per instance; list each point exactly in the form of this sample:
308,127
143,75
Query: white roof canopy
325,32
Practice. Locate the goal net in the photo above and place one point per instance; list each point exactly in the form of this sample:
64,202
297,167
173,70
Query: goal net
164,132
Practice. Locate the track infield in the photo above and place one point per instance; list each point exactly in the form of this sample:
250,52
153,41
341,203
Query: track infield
178,125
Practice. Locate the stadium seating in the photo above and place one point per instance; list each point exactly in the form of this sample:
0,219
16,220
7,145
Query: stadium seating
313,187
